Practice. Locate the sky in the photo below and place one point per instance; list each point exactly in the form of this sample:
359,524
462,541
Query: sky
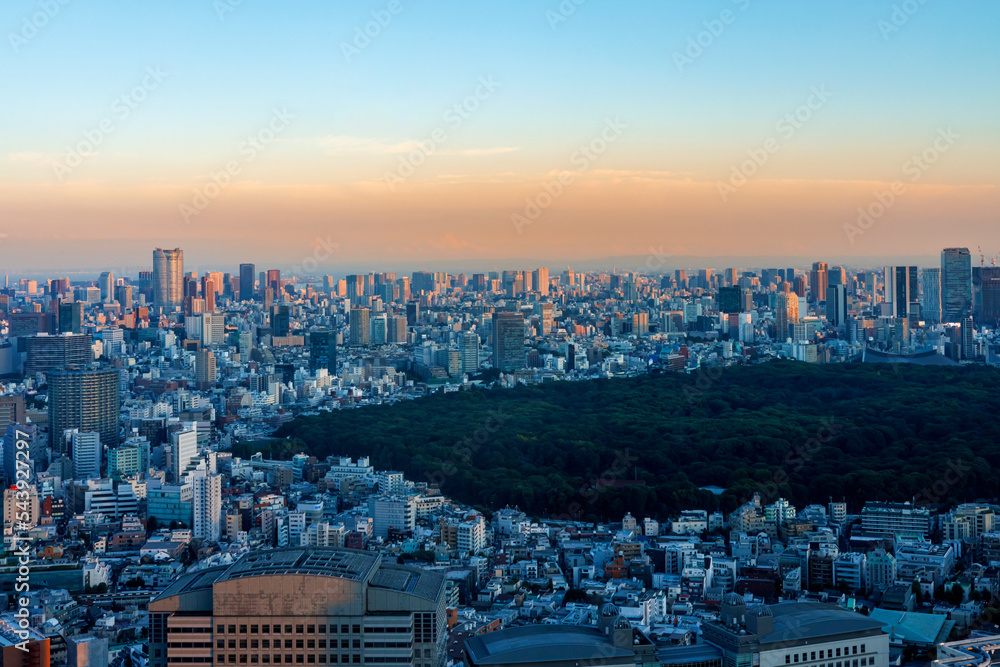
324,134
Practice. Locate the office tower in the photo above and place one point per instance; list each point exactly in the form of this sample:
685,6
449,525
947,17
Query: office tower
360,326
123,295
508,341
71,317
84,399
107,285
323,351
334,593
956,284
799,286
207,505
183,449
397,329
968,341
204,369
11,410
281,322
168,279
819,280
930,301
837,276
355,289
87,651
543,311
786,313
897,291
213,328
730,277
986,295
705,278
208,287
51,353
379,326
836,305
468,344
422,281
86,452
540,279
274,282
730,300
412,313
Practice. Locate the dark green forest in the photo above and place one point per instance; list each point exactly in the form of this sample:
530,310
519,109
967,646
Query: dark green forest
599,448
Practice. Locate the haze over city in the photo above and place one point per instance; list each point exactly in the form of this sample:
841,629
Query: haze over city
533,84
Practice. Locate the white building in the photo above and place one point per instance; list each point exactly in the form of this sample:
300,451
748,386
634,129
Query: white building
207,505
183,451
87,454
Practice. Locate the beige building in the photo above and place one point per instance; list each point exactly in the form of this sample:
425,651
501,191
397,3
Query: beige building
301,606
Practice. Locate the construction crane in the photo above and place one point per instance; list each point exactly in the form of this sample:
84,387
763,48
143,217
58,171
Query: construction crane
982,258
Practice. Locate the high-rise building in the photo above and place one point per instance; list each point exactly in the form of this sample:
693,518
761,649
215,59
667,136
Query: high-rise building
207,505
819,280
379,326
323,351
84,399
730,300
11,410
543,311
123,295
397,329
986,295
281,322
204,369
50,353
107,285
956,284
901,291
836,305
469,346
540,279
168,279
184,448
412,313
786,313
508,340
930,301
86,452
353,607
360,326
71,317
274,282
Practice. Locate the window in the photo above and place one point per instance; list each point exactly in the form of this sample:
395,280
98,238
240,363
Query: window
322,643
220,658
266,629
356,629
788,659
311,643
288,629
232,629
310,629
243,629
277,629
243,643
812,655
288,643
344,630
232,643
243,658
220,643
356,643
253,629
322,657
300,658
298,629
862,648
254,658
220,629
253,643
854,650
322,629
838,652
821,655
266,643
299,643
796,658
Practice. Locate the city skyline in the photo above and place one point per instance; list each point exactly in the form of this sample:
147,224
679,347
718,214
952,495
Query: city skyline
672,100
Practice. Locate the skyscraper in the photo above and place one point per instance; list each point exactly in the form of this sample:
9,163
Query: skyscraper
508,341
360,326
51,353
956,284
84,399
469,346
107,285
184,447
898,290
541,281
819,280
86,452
986,295
204,369
930,302
207,505
786,313
168,279
836,305
323,351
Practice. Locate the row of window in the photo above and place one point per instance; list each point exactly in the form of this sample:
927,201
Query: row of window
299,643
276,629
312,658
791,658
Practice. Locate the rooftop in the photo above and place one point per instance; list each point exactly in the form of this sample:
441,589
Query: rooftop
539,644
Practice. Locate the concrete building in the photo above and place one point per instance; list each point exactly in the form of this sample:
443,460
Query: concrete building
343,606
802,634
889,519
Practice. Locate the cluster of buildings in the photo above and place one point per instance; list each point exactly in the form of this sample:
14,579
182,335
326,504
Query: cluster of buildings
132,534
